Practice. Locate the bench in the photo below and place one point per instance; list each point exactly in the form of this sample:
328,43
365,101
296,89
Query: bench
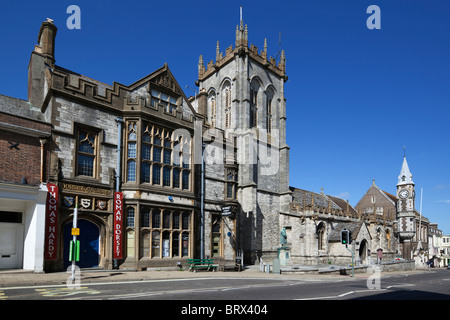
196,264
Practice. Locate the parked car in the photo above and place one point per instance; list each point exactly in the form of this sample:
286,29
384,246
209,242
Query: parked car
448,267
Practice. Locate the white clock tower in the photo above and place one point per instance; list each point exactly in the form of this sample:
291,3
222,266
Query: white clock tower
405,209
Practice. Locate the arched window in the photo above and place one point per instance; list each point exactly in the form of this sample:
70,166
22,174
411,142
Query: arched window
212,109
232,179
166,244
131,151
379,238
156,237
269,110
156,174
253,107
388,239
185,244
254,103
130,231
321,240
86,154
227,105
175,244
144,246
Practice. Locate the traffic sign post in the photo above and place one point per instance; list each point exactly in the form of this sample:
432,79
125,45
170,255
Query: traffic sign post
74,253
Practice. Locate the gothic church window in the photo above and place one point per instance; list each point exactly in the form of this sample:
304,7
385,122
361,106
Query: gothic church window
255,100
321,241
227,105
86,152
253,108
269,115
212,109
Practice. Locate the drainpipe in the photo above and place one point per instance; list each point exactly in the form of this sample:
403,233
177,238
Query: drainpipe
118,169
202,218
43,142
119,147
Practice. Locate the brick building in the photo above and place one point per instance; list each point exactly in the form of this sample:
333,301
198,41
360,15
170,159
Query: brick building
24,151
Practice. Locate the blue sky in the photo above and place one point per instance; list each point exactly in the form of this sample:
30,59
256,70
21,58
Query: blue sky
355,97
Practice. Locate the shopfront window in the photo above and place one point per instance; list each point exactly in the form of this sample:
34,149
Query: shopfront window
165,231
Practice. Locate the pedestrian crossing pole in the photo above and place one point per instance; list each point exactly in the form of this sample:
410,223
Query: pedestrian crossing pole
346,238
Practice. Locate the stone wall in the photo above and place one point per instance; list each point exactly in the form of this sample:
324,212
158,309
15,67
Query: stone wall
69,117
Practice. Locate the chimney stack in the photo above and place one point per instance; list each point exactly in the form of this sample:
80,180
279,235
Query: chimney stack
46,40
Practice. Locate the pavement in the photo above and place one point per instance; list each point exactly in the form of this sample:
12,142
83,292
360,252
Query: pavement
21,278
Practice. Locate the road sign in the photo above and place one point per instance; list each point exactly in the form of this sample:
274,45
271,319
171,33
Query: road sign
75,231
226,211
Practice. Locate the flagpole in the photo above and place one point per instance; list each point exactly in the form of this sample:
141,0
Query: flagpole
420,213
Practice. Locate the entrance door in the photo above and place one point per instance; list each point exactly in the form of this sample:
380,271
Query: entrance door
89,244
363,251
11,240
11,245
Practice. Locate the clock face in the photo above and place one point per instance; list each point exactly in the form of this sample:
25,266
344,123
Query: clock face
403,194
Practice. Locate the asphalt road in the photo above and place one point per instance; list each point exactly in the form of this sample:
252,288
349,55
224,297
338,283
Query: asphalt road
431,285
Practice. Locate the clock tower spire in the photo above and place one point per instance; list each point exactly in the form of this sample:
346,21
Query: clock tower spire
405,176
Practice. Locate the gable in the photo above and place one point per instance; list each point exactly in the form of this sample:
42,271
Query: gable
160,89
375,197
358,229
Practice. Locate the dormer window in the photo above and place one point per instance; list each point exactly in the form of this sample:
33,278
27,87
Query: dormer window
403,178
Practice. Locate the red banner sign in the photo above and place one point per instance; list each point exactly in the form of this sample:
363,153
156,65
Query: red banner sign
51,222
118,225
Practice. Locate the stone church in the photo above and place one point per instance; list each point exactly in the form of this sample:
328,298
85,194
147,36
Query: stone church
202,176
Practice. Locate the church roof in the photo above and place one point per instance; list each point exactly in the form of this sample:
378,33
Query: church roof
353,227
391,196
301,197
320,199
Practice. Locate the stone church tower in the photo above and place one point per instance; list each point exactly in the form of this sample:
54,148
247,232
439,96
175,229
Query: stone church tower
241,96
405,209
